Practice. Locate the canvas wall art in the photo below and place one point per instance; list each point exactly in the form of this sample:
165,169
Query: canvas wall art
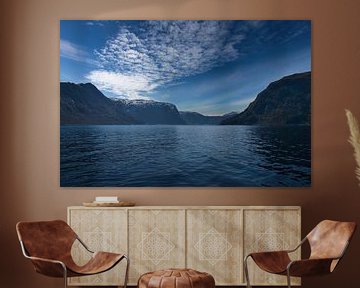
185,103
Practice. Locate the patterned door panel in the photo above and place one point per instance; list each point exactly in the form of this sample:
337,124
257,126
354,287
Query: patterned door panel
270,230
100,230
157,240
214,241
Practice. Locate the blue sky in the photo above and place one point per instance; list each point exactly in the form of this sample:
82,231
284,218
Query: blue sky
211,67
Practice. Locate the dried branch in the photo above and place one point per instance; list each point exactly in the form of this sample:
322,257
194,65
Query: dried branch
354,140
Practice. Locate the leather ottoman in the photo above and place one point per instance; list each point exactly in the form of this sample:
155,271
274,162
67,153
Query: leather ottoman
176,278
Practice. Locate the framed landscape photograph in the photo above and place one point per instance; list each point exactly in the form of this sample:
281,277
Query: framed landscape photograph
198,103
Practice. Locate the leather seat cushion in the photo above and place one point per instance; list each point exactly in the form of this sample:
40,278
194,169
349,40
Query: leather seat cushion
176,278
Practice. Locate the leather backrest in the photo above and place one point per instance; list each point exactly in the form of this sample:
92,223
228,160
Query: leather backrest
329,238
46,239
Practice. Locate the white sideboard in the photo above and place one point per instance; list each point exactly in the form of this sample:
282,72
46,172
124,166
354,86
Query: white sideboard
212,239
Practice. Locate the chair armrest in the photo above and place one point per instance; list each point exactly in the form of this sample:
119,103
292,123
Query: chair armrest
309,267
45,260
83,244
269,252
271,261
48,267
298,246
280,251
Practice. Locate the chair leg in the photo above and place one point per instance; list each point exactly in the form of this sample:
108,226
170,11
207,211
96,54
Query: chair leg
126,271
65,276
288,278
246,270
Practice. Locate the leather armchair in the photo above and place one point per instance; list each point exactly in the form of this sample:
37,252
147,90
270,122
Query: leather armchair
48,245
328,243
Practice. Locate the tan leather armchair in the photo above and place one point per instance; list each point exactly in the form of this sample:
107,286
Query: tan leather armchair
328,242
48,245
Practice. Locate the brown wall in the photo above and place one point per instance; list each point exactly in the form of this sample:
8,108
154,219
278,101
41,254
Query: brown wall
29,119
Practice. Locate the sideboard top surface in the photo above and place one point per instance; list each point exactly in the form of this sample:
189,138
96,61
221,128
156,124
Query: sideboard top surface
193,207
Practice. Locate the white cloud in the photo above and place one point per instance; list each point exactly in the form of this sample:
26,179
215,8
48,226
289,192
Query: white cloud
75,52
162,52
95,23
125,86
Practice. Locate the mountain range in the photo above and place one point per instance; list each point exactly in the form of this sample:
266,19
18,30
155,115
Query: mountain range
85,104
286,101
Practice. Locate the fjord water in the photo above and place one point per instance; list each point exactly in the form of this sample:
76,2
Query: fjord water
184,156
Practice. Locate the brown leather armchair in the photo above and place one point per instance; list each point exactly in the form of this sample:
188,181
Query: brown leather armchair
328,242
48,245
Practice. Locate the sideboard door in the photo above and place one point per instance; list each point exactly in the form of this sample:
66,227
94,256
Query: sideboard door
156,240
101,230
270,230
214,244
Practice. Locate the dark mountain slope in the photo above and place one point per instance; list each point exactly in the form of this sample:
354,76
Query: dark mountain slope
85,104
286,101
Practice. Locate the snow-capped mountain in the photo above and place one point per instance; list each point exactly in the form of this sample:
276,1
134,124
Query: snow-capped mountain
151,112
85,104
